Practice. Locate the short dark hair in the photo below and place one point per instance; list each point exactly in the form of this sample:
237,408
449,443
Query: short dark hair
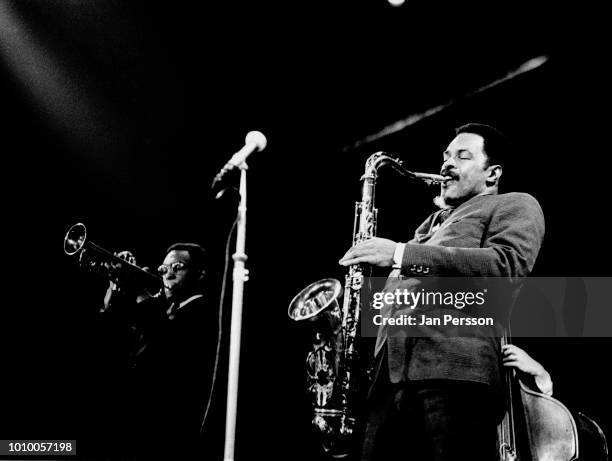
198,255
495,142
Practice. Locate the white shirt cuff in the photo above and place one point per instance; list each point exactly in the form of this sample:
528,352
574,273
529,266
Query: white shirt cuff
398,256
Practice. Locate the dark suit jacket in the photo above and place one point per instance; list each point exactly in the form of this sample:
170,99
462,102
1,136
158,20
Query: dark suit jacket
176,369
487,236
172,361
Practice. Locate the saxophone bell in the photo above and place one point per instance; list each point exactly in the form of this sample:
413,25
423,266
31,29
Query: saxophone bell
318,302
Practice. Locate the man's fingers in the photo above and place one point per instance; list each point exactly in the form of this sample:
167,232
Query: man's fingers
348,254
351,252
351,261
355,252
365,252
512,364
128,256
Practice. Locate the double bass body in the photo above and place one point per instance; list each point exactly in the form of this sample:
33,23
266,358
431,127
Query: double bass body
538,427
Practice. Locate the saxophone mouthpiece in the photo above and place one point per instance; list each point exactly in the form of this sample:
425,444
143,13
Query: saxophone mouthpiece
431,179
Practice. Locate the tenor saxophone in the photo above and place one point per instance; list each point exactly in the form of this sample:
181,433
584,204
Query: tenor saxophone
335,379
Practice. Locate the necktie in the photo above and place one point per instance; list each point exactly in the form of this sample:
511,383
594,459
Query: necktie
438,220
172,310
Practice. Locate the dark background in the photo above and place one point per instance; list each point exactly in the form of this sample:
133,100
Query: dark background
118,114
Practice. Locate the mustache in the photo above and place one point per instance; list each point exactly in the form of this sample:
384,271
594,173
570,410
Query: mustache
450,173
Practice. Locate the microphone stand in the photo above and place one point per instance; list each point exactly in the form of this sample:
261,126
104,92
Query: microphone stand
240,275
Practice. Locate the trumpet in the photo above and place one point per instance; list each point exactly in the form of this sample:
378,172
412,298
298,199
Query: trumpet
97,259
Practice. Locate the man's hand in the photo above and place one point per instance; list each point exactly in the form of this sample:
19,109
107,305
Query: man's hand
127,256
376,251
515,357
114,267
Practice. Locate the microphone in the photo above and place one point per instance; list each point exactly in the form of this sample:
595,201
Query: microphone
254,141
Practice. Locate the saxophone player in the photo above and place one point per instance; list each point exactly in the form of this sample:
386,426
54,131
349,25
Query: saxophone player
440,397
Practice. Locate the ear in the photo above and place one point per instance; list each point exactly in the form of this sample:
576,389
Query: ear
495,172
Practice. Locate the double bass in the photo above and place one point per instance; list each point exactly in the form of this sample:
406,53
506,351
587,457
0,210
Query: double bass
538,427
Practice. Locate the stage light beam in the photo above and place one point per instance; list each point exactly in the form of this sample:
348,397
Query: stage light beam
59,97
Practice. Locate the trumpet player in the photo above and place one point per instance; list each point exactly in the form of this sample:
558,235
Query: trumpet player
172,343
440,397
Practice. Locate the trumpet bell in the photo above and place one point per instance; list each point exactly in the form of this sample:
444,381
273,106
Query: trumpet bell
313,299
75,239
